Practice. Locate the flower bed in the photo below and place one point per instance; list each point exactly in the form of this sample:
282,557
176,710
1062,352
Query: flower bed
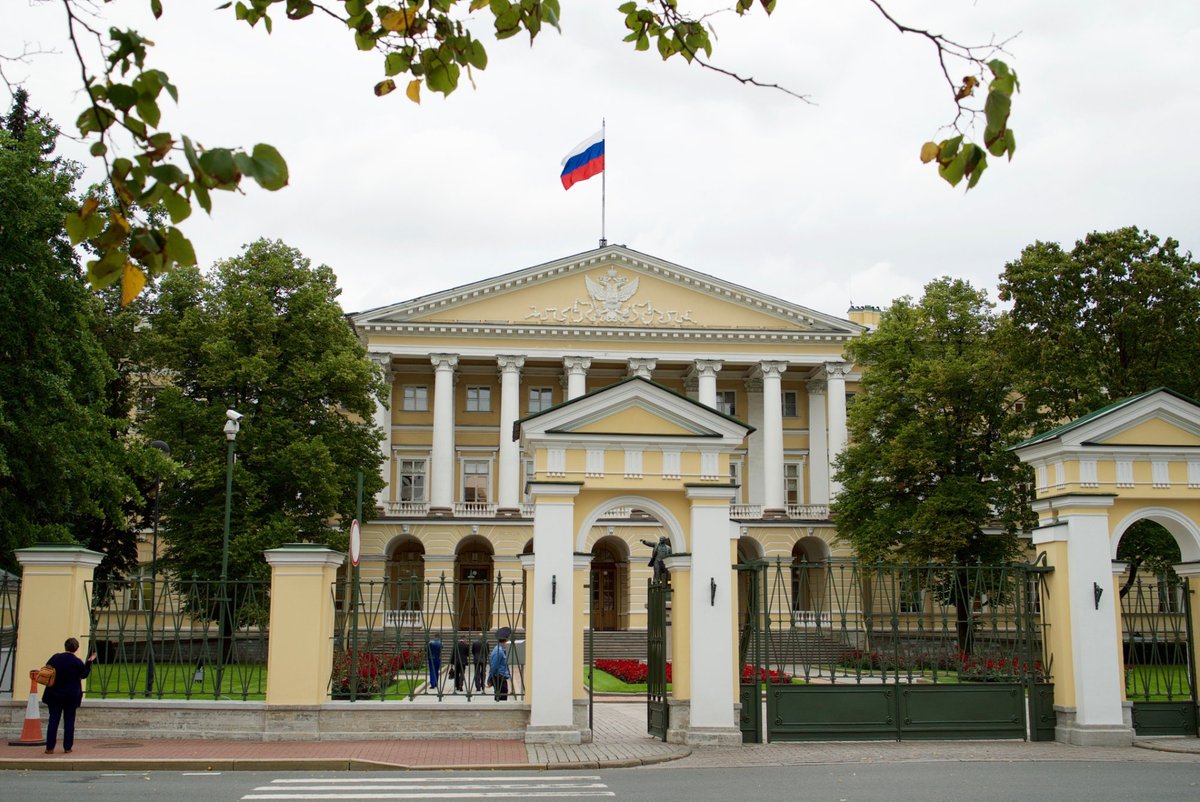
767,675
375,672
631,672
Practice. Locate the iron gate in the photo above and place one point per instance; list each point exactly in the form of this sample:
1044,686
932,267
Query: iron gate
850,651
10,601
657,710
1159,672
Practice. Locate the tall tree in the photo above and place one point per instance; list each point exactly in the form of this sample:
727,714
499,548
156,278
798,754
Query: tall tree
66,474
1117,315
262,334
927,470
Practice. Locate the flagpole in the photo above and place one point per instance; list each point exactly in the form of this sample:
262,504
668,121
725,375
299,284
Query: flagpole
603,181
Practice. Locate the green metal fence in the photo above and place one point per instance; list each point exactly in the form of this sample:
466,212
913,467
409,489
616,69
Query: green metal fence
1158,643
845,649
179,639
427,639
10,606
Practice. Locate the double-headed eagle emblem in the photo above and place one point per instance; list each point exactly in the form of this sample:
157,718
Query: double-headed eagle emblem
609,293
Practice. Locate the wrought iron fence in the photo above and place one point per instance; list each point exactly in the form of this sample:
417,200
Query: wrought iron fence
179,639
10,605
846,621
1157,639
427,639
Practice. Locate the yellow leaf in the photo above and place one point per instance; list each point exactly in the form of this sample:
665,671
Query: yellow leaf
88,207
133,280
414,90
478,4
398,21
119,221
384,87
929,152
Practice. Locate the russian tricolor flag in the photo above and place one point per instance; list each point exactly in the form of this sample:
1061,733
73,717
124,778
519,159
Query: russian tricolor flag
584,161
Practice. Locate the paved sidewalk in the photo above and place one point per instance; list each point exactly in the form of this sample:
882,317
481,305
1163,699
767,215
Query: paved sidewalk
620,741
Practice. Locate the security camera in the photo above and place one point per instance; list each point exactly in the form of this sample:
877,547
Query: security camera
234,415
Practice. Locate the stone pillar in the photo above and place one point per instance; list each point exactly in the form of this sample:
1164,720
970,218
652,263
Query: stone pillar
509,500
774,503
577,368
300,650
642,367
835,373
441,480
680,566
706,372
1191,572
383,419
818,444
54,606
551,715
753,478
1084,639
712,609
579,587
1119,571
527,568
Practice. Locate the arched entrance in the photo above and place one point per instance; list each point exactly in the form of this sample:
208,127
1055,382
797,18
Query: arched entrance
609,584
405,583
473,573
810,557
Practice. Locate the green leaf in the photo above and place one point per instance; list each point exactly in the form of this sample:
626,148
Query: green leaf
122,96
177,206
977,169
385,87
94,120
201,193
107,269
98,149
953,172
219,164
627,8
477,55
272,170
364,41
75,227
394,64
245,164
148,110
996,110
179,248
156,8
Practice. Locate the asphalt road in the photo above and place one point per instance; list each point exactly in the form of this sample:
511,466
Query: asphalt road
893,782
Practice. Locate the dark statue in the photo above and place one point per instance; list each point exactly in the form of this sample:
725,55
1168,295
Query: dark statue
659,552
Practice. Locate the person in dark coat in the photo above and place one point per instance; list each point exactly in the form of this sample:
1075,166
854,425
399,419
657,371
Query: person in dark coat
478,663
66,694
458,663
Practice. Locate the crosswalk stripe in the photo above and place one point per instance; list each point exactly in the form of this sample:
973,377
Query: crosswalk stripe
408,787
537,778
446,795
441,787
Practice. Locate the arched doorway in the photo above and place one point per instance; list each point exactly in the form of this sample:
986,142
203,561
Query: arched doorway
609,583
749,551
405,584
473,572
810,562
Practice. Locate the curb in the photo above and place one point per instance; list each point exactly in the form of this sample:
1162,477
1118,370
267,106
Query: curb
1184,746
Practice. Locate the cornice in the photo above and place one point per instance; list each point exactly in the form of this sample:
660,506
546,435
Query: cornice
482,330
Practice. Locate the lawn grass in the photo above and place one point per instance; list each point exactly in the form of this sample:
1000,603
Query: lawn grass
604,682
246,681
1165,683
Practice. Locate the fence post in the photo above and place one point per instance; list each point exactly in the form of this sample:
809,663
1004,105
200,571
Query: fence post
1189,572
300,645
54,586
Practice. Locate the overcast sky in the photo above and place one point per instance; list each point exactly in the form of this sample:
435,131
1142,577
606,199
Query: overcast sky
823,205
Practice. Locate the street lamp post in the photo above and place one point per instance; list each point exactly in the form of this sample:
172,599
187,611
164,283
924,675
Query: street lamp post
166,450
233,422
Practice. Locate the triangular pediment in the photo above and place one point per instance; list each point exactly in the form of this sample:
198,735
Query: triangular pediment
611,287
633,410
1158,419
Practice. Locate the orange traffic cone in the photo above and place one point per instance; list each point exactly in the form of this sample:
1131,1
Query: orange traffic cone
31,730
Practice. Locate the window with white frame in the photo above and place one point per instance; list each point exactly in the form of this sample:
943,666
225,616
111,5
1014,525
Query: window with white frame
540,398
416,398
791,483
735,478
912,595
139,592
790,404
727,402
479,399
528,472
413,479
477,481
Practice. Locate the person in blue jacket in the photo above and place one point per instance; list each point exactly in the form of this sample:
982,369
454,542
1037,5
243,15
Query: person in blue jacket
498,672
66,694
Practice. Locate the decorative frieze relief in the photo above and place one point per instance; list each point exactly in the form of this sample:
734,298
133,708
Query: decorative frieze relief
610,302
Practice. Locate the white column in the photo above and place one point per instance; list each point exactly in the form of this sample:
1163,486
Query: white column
753,476
383,419
441,480
642,367
551,714
577,368
772,400
509,500
835,373
706,371
713,596
818,444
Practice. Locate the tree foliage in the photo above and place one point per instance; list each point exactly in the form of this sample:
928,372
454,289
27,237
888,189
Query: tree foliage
264,335
428,45
69,470
1117,315
927,470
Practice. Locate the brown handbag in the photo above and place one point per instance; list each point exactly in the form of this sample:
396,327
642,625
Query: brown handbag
46,675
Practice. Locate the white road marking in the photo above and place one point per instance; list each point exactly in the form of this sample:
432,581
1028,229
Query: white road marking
537,778
449,795
491,787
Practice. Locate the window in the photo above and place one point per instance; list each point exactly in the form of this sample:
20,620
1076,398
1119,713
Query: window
727,402
416,398
412,480
791,483
139,592
1170,594
540,398
477,481
735,478
479,399
912,597
789,404
528,474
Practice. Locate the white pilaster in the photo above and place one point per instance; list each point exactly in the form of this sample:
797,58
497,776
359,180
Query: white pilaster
713,595
706,371
642,367
551,715
753,478
835,373
818,444
383,419
577,368
441,480
509,497
772,402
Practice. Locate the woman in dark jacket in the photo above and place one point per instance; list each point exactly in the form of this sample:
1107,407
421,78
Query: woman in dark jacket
66,694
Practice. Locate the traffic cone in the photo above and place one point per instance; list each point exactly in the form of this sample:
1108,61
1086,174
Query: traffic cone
31,730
